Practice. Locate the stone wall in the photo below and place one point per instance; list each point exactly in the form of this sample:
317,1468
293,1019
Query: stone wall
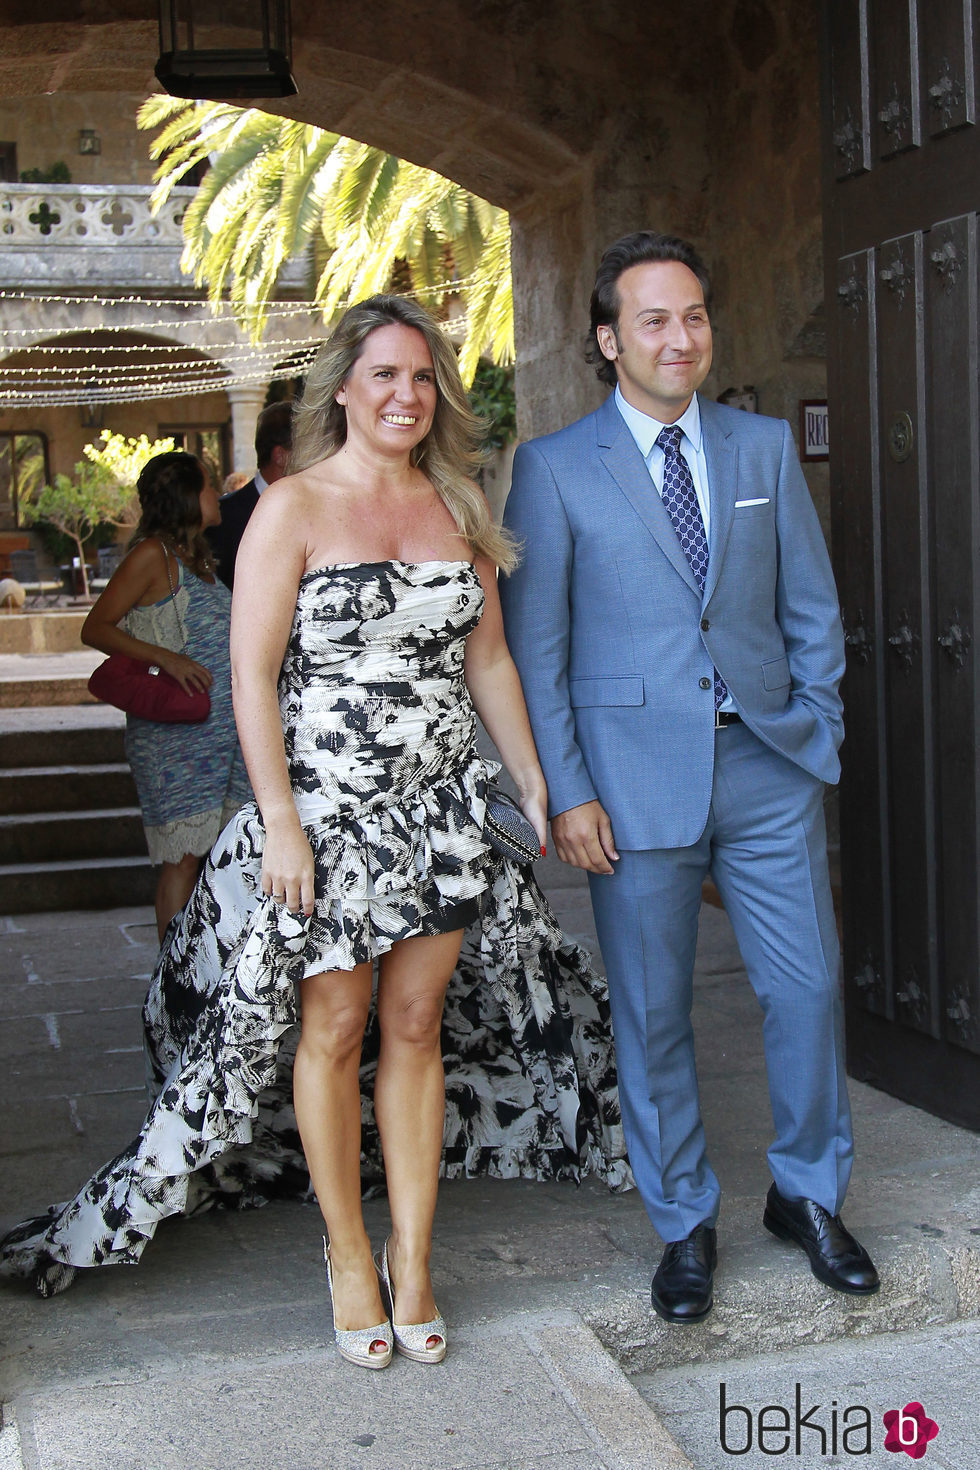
728,159
41,632
765,216
46,131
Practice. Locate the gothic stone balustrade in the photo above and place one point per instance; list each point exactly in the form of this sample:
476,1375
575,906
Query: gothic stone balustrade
93,237
85,236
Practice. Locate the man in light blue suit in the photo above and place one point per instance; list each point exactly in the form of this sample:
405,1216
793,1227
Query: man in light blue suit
676,628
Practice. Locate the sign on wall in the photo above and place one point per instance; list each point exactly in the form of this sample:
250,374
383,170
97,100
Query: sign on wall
814,429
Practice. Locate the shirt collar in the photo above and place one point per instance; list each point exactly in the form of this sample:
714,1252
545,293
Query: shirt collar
645,428
260,483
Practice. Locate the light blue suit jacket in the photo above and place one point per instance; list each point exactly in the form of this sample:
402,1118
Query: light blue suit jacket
615,644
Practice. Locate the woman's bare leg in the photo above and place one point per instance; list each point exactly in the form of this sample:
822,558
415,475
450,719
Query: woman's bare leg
327,1097
174,887
410,1106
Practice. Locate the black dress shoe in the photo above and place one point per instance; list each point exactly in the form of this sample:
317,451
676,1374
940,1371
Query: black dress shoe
836,1258
681,1290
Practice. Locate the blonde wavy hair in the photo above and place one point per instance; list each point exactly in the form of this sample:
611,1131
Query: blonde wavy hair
448,456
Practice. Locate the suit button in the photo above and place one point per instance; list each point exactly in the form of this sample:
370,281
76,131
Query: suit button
705,624
705,683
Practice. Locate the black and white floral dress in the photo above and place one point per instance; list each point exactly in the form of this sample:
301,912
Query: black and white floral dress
381,744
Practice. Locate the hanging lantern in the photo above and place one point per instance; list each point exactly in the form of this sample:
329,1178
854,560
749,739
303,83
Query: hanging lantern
225,69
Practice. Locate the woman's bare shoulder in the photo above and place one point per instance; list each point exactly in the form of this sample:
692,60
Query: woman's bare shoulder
292,493
282,520
140,577
143,552
143,563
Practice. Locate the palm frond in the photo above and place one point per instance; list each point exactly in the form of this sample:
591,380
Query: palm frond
490,305
274,185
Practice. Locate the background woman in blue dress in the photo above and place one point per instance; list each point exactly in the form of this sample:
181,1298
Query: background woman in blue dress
164,605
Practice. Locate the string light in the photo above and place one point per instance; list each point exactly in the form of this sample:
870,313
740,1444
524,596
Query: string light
110,328
90,348
108,372
291,307
91,381
274,311
93,373
93,393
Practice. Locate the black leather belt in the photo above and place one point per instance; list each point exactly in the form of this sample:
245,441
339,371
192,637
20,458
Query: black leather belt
725,717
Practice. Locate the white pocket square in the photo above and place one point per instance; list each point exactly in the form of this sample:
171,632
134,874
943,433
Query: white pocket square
763,501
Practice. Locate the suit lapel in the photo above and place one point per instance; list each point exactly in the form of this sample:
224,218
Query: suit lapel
618,452
721,456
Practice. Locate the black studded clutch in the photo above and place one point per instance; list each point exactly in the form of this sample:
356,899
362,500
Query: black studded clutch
508,830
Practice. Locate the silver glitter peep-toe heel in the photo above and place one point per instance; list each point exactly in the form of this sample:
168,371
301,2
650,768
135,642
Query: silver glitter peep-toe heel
360,1344
423,1342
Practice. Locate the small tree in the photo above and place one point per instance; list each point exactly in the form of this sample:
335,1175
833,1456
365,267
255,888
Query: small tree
118,463
101,492
74,505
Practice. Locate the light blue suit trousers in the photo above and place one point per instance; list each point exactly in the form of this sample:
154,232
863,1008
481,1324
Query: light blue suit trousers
764,845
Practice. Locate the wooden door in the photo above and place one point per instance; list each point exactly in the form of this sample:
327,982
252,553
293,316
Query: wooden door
901,199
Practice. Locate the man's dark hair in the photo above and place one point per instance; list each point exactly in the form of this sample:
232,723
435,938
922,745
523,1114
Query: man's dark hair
636,249
273,430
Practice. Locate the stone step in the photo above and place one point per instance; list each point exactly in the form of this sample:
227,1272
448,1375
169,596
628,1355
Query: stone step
66,788
42,837
70,830
32,693
79,746
47,680
42,632
32,888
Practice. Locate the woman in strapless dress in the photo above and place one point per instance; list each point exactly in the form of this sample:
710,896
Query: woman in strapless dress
378,553
366,638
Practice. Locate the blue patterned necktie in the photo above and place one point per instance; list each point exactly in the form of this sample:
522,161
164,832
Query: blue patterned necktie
681,501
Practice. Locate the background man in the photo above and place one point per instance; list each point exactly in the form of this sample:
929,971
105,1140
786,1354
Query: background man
676,627
273,440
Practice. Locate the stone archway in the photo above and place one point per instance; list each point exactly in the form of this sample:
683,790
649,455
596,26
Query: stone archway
584,120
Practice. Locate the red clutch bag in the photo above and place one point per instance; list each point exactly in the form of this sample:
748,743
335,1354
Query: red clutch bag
146,691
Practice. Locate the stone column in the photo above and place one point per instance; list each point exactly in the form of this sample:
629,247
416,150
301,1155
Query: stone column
246,404
553,261
626,183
